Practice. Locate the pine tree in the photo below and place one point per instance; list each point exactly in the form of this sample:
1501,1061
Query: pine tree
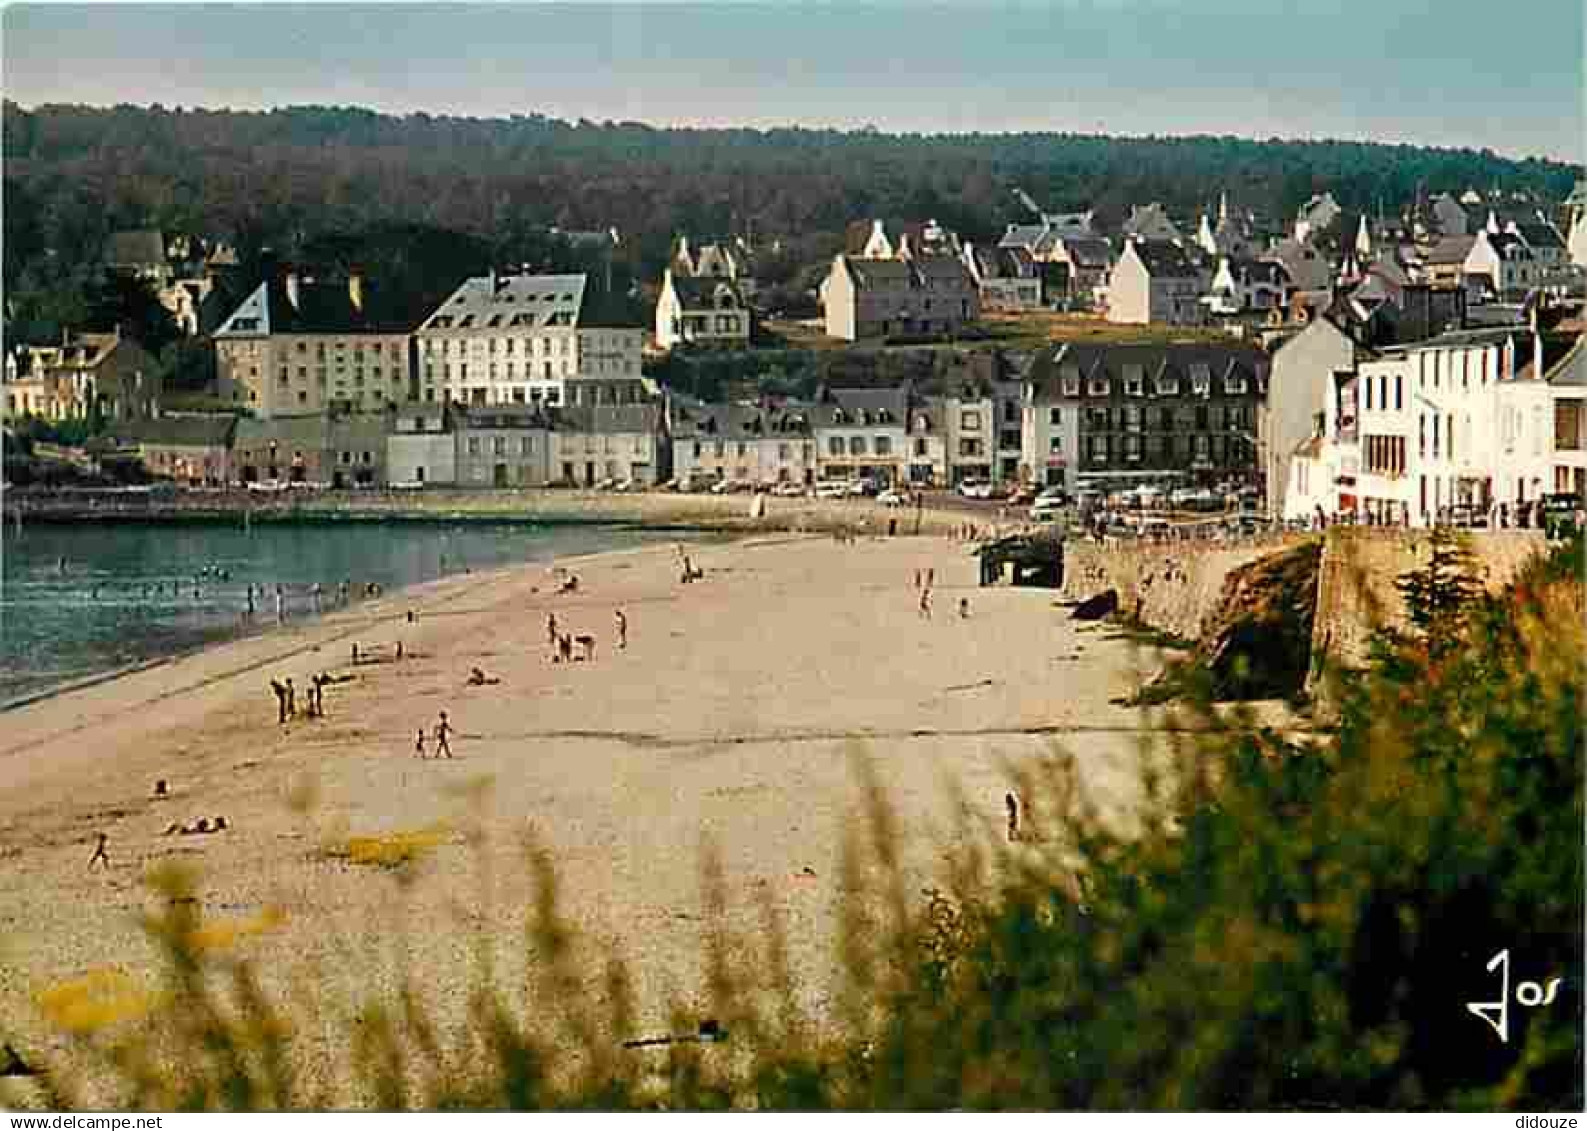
1438,594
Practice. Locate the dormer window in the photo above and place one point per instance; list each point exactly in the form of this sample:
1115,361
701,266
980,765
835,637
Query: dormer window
1134,381
1200,380
1097,387
1069,377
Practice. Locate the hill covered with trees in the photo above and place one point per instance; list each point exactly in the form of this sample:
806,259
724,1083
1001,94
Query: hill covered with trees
284,177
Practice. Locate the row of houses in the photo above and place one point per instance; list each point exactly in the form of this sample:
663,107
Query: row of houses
1480,418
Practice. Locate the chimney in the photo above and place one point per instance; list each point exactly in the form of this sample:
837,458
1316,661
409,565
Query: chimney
292,286
491,279
355,288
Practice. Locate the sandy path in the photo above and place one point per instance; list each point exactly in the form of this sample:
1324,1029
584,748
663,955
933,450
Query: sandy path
732,717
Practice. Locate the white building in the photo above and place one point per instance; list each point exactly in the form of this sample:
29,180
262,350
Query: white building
764,444
1504,262
1461,419
1155,282
519,339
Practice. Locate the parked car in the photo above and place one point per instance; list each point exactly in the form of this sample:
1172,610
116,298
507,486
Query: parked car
862,487
788,490
832,489
892,497
976,489
1468,517
1046,506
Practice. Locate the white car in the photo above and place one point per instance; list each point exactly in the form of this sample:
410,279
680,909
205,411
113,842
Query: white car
788,490
892,498
976,489
835,489
1045,507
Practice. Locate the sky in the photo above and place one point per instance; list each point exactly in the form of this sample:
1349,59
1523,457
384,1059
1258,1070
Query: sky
1435,72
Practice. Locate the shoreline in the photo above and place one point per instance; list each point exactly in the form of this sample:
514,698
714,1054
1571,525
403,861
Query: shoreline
656,510
733,718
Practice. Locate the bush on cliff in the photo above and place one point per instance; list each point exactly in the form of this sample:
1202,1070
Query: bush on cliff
1287,927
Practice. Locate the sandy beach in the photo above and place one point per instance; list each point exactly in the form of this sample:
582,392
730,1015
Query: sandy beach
732,717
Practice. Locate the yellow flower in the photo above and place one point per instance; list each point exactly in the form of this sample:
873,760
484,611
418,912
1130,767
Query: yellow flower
99,998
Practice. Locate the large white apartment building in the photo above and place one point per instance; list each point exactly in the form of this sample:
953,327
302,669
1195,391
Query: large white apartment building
519,339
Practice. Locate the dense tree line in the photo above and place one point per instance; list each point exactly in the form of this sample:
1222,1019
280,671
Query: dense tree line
284,177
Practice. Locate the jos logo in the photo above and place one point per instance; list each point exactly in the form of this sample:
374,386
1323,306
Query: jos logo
1497,1013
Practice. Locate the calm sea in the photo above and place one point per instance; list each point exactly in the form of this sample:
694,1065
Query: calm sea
80,600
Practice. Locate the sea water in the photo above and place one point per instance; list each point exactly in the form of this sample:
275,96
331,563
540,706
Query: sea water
77,601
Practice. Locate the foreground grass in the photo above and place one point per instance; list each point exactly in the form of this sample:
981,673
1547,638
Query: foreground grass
1288,927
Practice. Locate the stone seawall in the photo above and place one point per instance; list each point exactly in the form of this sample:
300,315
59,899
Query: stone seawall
1356,590
1176,585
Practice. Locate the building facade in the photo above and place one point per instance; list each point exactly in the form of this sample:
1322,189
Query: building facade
1155,282
520,340
89,376
765,444
879,298
701,311
297,347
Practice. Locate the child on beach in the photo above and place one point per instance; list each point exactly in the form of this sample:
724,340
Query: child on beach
100,856
418,744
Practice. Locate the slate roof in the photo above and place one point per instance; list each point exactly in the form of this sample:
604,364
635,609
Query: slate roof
322,308
699,293
506,301
1571,371
1270,271
1165,260
1089,251
608,419
1308,268
1539,234
1155,359
692,419
1449,250
883,408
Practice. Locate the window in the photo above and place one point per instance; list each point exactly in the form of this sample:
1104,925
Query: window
1399,392
834,446
1097,387
1055,417
970,421
920,446
1132,448
1234,383
1132,418
857,446
1167,385
1134,381
1099,449
1200,379
884,446
1069,378
782,453
1056,445
499,445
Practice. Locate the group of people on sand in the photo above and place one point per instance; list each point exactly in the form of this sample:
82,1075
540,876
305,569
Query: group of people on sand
924,581
286,694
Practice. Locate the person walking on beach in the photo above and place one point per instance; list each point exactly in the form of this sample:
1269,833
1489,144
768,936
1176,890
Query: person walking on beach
280,690
925,604
100,856
315,592
622,630
418,744
552,636
1011,803
443,731
250,601
931,577
281,606
964,608
292,700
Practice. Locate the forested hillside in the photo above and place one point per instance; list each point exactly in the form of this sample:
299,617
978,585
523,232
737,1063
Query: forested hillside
284,177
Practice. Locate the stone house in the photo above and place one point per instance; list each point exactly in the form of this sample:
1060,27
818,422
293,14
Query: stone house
299,347
195,451
1007,277
765,443
592,444
421,450
1155,282
870,298
701,311
863,433
89,375
325,451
